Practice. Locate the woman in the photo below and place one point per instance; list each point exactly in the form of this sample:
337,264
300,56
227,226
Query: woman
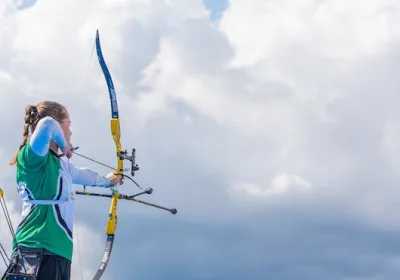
45,181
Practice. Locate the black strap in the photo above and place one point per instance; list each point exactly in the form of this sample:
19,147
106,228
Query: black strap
12,276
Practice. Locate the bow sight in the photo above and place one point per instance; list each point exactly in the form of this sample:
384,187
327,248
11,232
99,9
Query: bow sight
124,155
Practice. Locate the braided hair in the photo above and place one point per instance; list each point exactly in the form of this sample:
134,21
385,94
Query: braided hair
33,114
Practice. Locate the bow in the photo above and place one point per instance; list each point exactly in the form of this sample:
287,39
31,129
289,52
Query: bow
121,156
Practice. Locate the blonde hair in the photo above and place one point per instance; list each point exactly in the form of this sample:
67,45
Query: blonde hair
35,113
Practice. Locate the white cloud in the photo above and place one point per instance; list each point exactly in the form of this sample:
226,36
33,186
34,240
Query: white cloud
335,29
390,143
280,185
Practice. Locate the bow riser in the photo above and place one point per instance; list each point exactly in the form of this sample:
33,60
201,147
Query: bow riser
116,134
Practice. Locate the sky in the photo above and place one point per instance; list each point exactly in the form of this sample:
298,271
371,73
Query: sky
271,125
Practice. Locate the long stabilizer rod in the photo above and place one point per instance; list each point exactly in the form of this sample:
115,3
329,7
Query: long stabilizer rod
130,198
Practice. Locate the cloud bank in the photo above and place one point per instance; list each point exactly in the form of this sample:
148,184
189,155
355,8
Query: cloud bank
273,130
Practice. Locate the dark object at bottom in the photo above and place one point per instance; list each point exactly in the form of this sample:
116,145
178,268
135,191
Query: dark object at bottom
37,264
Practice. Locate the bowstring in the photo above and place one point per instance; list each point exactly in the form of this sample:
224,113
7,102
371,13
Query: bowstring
79,252
91,55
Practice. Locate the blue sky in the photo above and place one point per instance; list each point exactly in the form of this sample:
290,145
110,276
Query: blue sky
25,4
217,7
275,133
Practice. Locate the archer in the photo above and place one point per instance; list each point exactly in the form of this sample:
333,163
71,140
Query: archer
45,180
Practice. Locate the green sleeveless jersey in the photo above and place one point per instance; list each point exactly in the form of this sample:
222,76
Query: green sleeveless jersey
42,225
